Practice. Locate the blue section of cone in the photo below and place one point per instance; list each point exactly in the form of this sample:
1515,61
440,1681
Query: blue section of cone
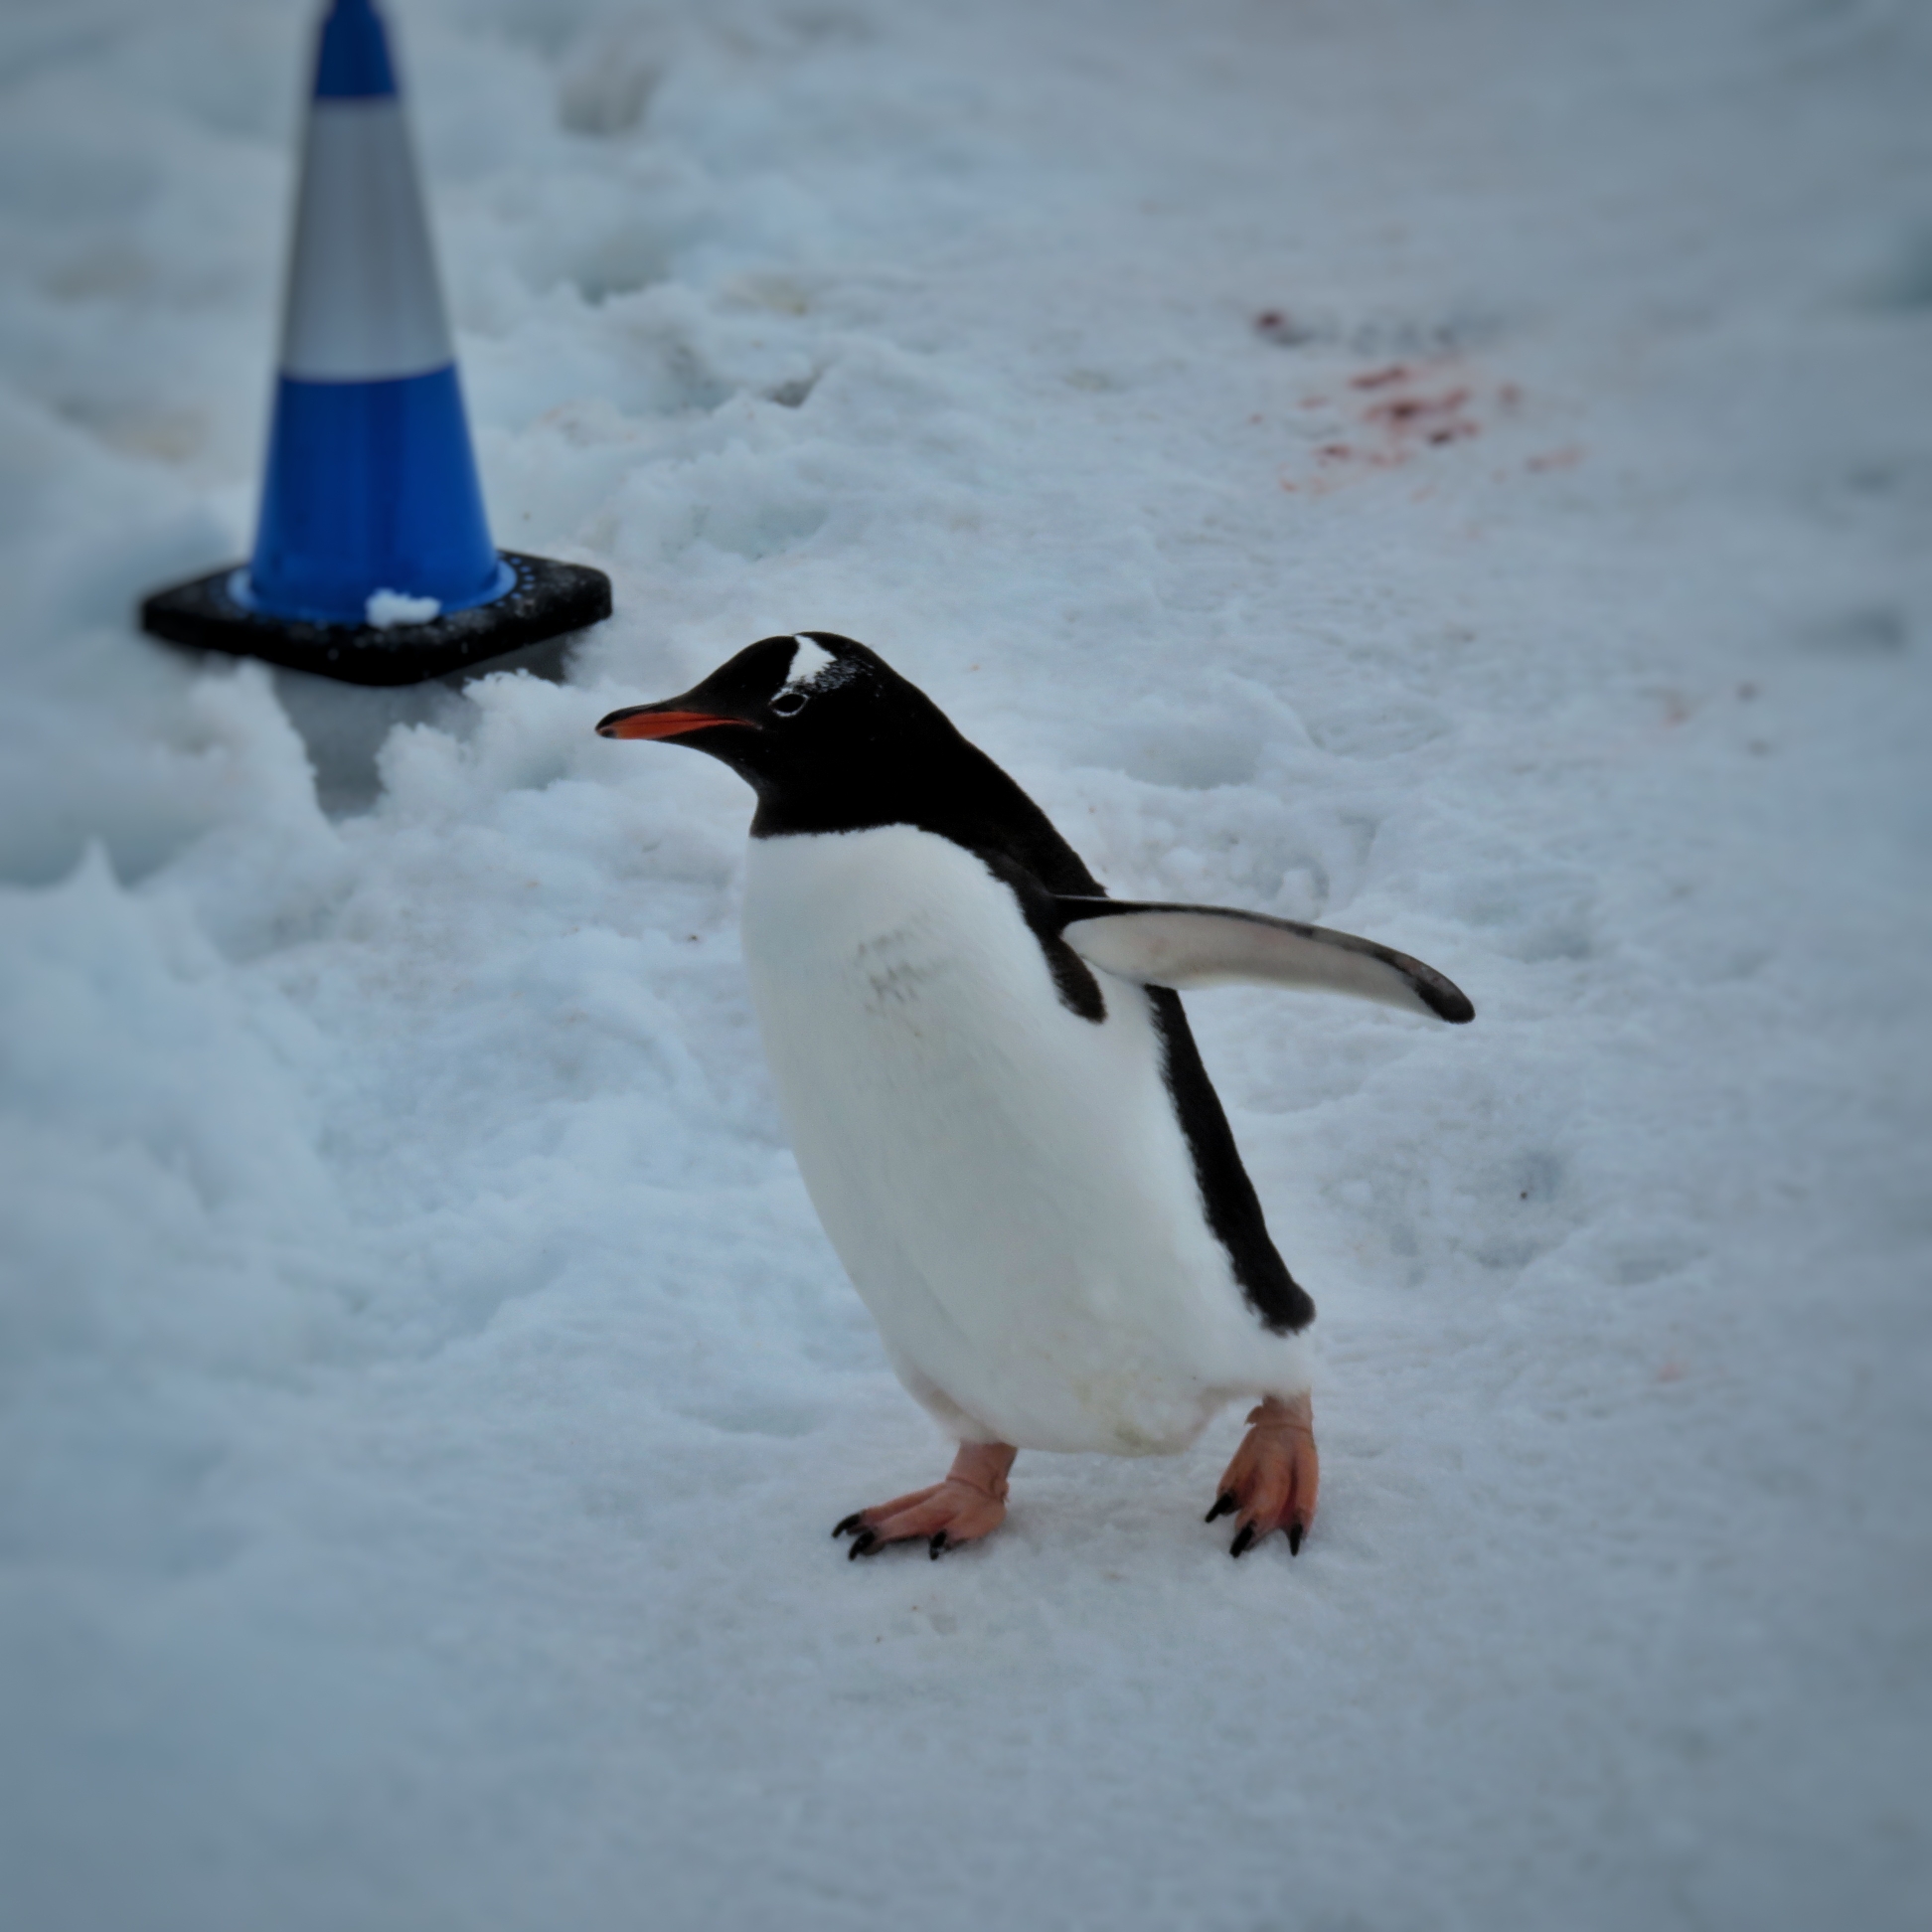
371,486
353,60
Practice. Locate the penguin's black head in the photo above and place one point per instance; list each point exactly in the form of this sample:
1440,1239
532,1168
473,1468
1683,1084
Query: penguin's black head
818,726
833,740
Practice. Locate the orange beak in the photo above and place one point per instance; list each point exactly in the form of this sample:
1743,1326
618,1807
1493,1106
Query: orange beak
647,722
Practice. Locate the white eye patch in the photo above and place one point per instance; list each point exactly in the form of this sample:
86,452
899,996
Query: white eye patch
810,662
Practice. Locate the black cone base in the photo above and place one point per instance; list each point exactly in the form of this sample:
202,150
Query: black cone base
547,600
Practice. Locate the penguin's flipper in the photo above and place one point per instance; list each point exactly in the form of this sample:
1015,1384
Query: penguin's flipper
1185,946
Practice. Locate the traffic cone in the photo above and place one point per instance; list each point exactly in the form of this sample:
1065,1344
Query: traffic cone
372,561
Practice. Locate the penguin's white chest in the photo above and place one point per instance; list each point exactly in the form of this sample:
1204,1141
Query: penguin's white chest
1005,1181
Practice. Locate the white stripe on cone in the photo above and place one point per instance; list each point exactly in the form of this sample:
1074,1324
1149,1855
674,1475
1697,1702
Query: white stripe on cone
362,302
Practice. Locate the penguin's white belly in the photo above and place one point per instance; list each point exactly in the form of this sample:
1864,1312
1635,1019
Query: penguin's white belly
1006,1182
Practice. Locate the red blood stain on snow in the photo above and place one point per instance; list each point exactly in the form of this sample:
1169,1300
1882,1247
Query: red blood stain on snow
1416,417
1402,409
1398,411
1395,412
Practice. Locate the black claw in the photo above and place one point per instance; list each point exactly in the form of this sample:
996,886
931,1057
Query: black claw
938,1546
1296,1531
862,1545
851,1523
1224,1503
1244,1537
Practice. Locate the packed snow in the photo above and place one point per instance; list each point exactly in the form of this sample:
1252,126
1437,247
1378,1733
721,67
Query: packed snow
1454,470
388,608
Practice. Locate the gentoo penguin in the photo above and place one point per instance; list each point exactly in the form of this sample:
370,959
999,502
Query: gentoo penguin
995,1100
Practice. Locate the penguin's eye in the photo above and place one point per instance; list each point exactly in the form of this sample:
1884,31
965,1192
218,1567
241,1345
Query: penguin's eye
789,702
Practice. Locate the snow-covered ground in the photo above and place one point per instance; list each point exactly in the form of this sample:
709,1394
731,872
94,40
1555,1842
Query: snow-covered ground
1458,472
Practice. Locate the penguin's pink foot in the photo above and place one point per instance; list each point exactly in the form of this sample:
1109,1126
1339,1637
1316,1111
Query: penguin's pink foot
1274,1476
969,1504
